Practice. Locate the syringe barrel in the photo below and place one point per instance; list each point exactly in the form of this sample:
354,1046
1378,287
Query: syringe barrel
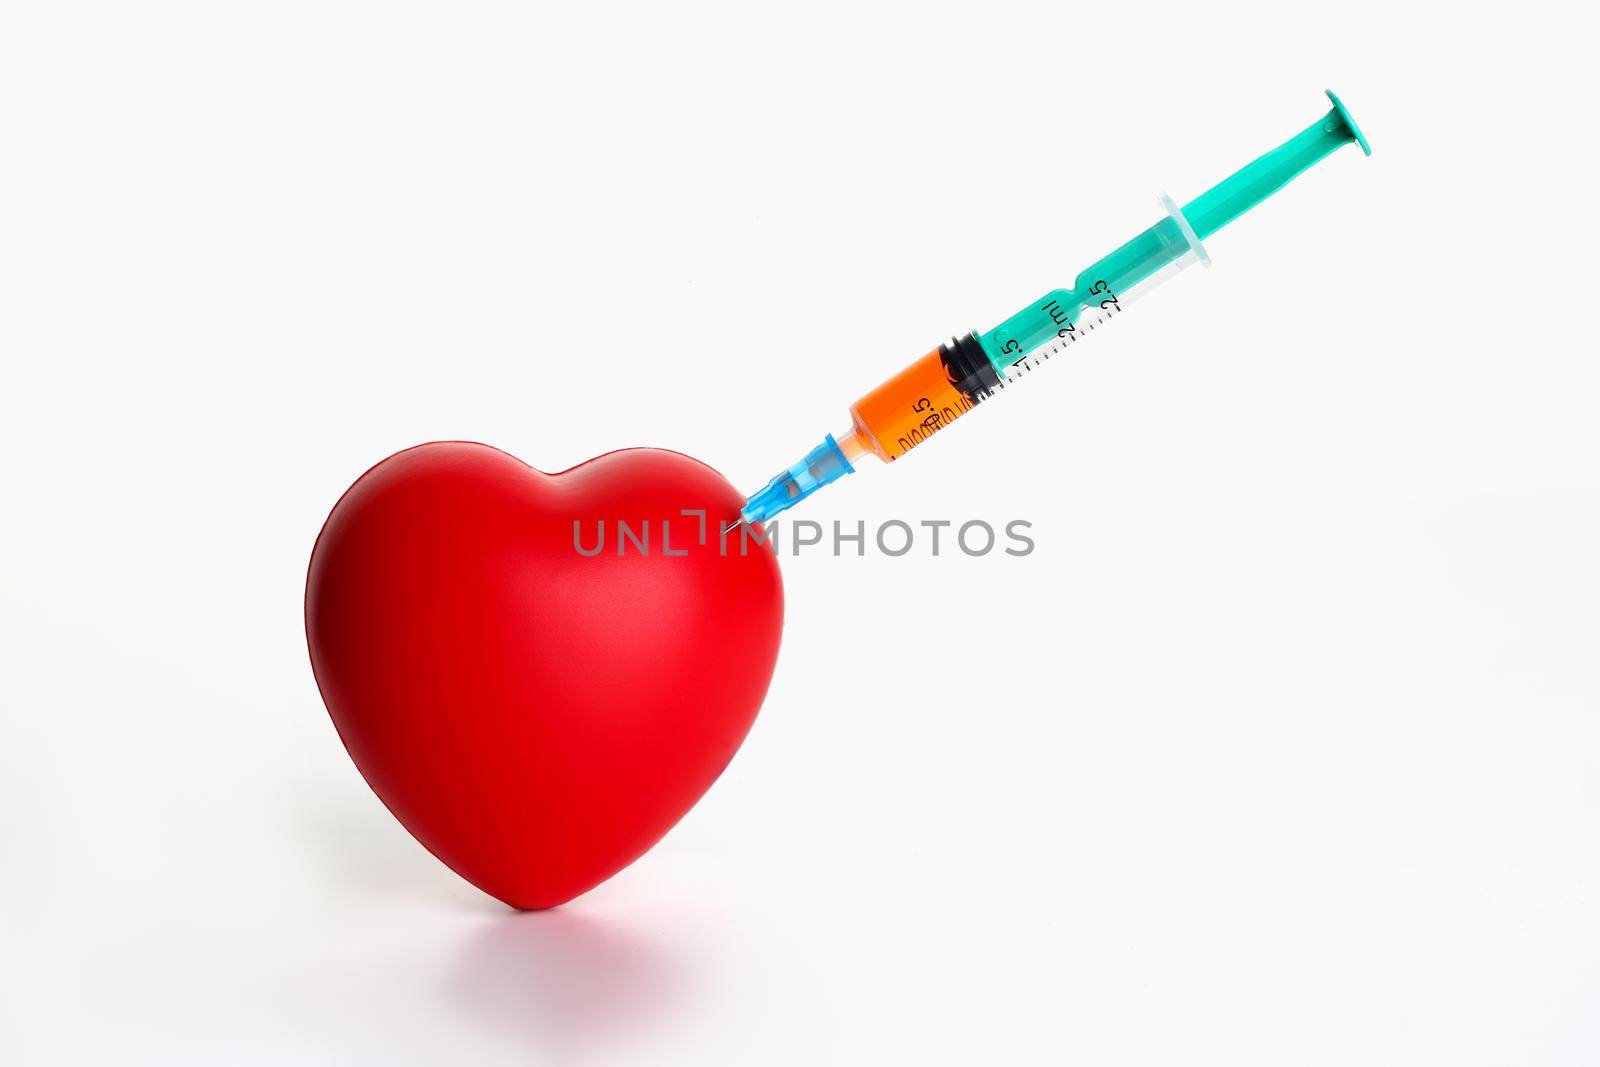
923,398
1107,282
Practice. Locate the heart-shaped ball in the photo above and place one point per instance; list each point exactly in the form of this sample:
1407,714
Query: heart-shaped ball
539,674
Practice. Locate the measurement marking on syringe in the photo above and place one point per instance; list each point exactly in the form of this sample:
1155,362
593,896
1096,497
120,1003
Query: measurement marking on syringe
1071,335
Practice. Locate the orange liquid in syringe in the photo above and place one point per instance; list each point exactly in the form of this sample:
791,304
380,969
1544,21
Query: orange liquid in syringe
909,408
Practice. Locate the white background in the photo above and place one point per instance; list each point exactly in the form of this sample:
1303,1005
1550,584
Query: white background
1280,749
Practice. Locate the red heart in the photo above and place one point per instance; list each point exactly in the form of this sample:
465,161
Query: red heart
535,716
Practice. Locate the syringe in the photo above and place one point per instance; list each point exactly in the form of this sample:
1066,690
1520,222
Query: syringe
952,379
